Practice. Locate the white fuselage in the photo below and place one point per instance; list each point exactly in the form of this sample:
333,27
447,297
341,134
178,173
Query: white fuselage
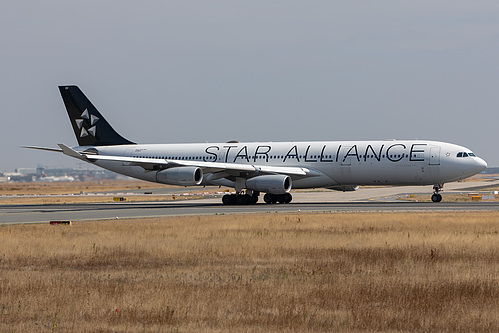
408,162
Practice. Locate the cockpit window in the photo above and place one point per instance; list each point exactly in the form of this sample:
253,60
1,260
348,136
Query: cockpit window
465,154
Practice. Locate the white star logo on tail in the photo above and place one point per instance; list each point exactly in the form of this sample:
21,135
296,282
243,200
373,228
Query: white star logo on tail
83,133
80,122
92,130
85,114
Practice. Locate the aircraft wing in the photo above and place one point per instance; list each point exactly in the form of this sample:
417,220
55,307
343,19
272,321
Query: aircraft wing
211,167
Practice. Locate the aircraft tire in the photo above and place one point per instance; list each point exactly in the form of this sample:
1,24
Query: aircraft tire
281,198
436,197
277,198
227,199
242,200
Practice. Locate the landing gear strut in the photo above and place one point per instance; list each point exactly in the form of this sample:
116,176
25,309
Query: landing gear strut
277,198
437,197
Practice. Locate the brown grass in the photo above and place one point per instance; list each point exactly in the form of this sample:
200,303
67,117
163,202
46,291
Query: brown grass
39,193
40,188
346,272
46,200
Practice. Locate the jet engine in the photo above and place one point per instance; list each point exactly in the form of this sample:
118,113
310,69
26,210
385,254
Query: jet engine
273,184
184,176
344,188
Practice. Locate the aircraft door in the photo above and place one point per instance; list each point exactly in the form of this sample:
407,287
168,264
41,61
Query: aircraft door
434,156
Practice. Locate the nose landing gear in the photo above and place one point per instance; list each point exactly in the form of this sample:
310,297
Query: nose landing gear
437,197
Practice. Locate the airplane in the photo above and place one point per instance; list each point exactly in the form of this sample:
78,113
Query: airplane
273,168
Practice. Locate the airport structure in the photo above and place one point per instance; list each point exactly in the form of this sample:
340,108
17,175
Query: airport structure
42,174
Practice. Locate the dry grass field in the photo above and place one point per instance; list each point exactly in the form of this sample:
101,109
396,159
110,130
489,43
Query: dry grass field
47,200
348,272
40,193
40,188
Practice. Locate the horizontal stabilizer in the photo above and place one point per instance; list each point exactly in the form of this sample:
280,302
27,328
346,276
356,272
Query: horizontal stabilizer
43,148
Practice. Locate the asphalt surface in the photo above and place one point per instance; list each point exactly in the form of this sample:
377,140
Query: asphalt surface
365,200
15,214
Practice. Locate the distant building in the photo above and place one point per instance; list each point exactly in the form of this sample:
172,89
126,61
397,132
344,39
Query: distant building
57,174
17,177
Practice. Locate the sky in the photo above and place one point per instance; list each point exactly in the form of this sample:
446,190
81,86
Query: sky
214,71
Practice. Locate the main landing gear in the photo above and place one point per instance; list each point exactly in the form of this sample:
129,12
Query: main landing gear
240,199
252,198
277,198
437,197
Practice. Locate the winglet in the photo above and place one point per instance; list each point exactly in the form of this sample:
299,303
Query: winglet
71,152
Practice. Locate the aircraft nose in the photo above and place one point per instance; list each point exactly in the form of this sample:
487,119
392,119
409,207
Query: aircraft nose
480,164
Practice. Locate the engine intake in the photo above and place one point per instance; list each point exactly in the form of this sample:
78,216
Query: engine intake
184,176
273,184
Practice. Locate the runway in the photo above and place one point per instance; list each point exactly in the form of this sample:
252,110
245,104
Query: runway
364,200
83,212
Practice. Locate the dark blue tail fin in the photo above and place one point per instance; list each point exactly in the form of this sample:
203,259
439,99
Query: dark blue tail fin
90,127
